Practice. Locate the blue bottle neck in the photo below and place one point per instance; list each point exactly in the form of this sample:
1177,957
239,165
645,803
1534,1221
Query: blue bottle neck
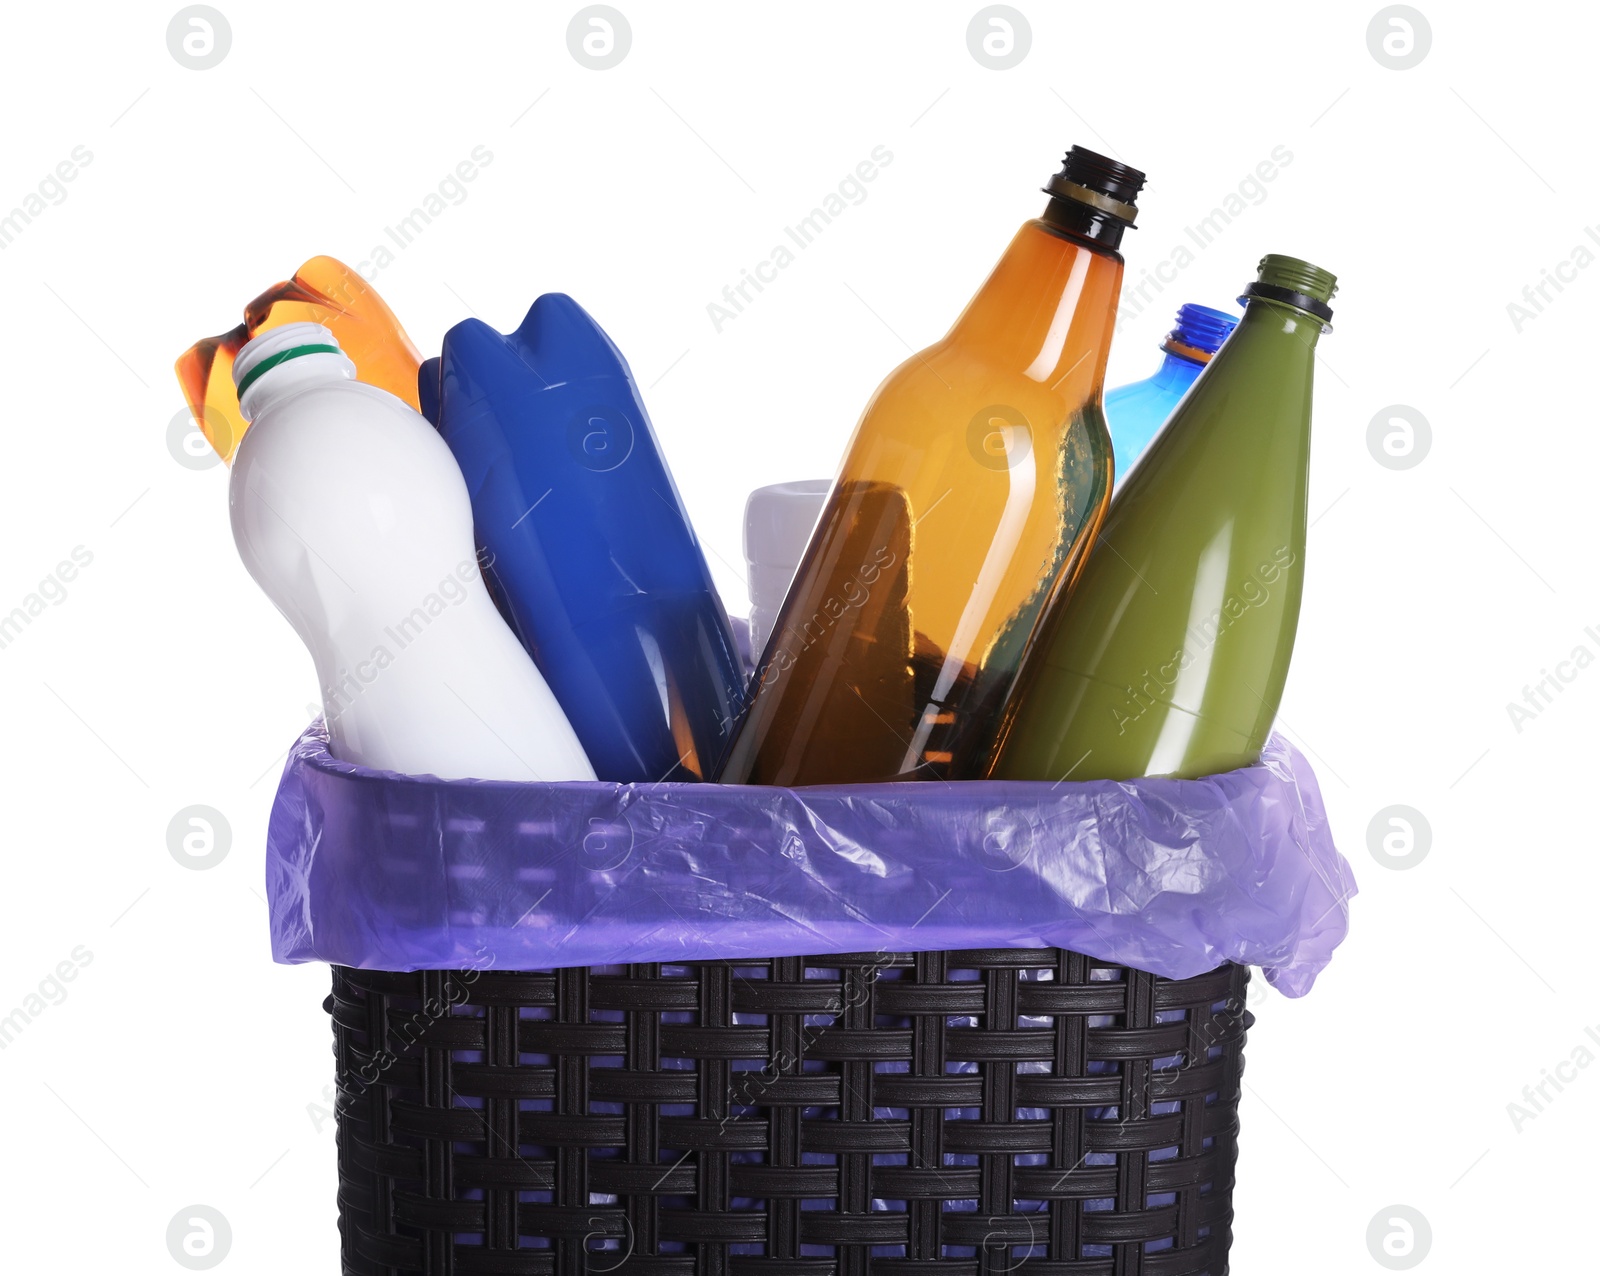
1177,371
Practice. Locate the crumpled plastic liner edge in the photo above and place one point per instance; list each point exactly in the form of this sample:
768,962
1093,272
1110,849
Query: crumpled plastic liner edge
390,872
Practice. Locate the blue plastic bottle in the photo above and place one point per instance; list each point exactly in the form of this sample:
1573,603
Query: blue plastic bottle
1134,413
586,542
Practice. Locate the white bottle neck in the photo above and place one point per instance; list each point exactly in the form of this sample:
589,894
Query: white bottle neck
291,377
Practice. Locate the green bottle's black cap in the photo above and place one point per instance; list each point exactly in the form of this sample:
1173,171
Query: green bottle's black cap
1293,281
1105,185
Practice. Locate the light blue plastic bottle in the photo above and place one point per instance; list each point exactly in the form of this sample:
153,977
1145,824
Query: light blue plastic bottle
1135,413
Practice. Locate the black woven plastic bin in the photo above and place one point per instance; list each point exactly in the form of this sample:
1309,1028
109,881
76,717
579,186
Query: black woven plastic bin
959,1112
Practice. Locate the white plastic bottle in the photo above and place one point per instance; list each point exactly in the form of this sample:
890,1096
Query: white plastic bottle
778,522
350,512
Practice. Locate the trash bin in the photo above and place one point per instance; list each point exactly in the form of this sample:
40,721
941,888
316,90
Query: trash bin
952,1080
800,1116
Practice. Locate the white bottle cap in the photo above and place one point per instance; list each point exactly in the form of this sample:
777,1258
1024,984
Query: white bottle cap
281,345
778,521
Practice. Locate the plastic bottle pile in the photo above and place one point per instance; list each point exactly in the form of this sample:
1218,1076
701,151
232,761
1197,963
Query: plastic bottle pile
496,578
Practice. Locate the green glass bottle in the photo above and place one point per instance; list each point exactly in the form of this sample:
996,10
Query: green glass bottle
1170,654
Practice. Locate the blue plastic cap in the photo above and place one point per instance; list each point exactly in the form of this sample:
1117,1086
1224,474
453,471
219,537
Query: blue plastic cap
1202,327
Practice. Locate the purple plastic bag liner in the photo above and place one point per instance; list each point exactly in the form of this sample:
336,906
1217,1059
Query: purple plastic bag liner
391,872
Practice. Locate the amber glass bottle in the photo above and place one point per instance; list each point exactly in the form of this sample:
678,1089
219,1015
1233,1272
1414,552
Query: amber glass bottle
974,483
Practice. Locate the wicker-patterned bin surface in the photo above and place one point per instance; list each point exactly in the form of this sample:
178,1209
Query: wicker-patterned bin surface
953,1112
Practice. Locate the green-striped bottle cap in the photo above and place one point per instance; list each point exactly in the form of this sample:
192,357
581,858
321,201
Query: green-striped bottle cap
278,346
272,361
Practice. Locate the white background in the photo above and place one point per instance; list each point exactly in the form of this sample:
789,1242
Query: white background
184,1067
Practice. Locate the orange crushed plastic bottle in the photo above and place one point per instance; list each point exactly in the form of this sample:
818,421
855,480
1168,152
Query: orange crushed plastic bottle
324,291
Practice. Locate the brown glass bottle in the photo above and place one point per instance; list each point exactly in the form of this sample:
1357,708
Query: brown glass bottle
974,483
